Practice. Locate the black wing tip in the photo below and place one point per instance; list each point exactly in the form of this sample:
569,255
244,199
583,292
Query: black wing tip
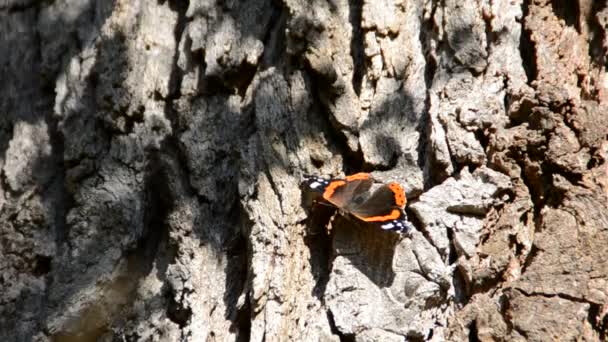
400,225
407,229
315,183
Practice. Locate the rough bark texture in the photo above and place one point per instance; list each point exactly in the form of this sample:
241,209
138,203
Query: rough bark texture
151,155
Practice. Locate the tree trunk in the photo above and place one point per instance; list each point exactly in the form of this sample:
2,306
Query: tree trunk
152,154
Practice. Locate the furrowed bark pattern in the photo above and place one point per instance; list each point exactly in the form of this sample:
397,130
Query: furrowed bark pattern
152,155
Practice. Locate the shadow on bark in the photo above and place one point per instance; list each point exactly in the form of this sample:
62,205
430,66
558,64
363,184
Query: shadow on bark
368,248
31,65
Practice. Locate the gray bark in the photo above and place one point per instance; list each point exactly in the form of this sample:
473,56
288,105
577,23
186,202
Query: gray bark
152,153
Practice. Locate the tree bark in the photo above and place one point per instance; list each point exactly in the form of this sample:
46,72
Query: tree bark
152,154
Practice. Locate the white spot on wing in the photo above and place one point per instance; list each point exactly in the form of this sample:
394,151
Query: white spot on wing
389,225
315,184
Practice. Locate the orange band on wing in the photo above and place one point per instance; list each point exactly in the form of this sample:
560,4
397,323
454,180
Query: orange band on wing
399,194
360,175
392,216
331,187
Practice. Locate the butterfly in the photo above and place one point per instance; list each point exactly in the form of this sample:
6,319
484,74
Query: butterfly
363,197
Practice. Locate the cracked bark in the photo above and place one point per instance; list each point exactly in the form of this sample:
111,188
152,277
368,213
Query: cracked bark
152,154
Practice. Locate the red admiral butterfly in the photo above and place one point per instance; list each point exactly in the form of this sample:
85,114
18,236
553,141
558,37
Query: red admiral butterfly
383,206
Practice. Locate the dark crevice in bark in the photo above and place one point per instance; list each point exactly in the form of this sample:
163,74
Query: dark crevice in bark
520,331
240,78
176,311
274,40
209,85
334,329
443,47
483,136
318,239
427,33
597,33
505,310
529,258
176,162
491,36
473,333
597,321
568,11
416,338
318,163
527,48
42,265
552,295
452,254
424,147
596,159
320,245
179,7
238,279
462,287
63,200
430,66
58,193
175,79
238,254
22,6
413,218
356,43
243,321
506,102
6,131
159,199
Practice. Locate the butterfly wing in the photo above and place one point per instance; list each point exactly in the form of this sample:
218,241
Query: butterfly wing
384,208
400,224
316,184
340,192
